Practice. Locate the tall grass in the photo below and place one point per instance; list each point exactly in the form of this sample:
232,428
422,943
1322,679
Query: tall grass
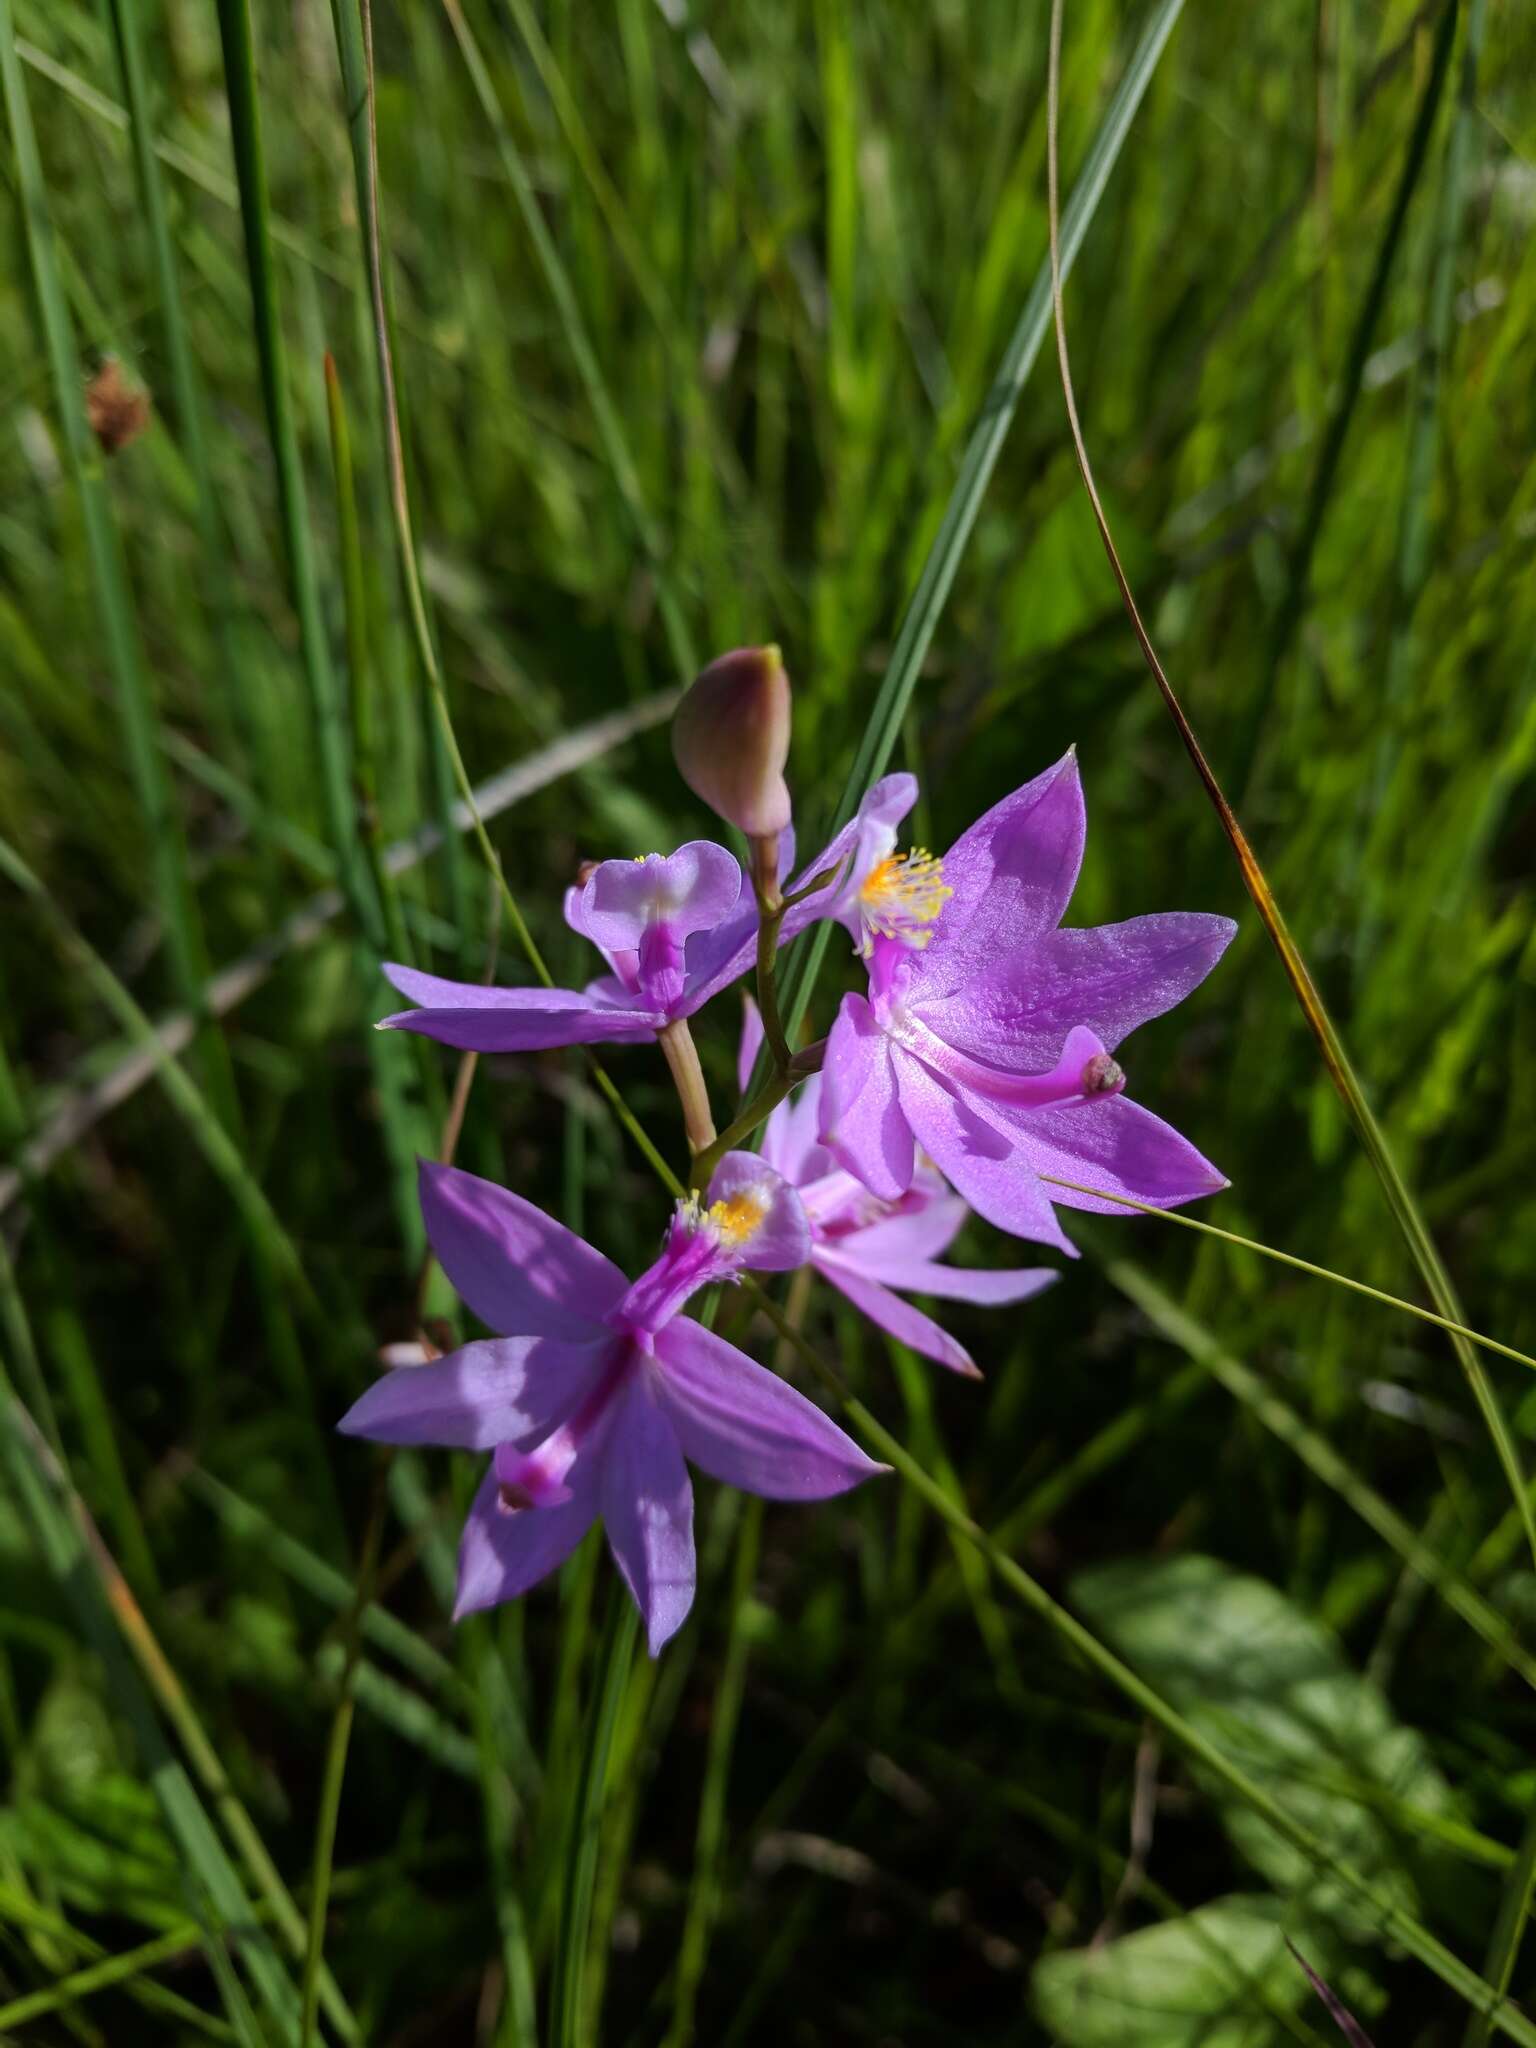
486,405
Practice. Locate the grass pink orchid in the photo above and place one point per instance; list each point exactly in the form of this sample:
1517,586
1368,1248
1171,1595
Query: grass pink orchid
868,1248
991,1045
674,929
597,1390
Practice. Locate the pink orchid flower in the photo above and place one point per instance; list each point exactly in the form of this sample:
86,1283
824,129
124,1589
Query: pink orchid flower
598,1390
867,1247
988,1033
673,929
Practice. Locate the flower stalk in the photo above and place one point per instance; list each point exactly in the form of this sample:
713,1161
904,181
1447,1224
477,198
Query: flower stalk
682,1057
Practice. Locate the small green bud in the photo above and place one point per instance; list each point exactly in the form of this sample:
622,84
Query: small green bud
730,738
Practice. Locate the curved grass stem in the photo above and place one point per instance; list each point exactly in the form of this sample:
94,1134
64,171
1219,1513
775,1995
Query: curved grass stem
1336,1060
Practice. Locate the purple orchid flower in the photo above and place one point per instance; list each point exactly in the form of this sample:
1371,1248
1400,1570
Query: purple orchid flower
598,1389
989,1041
674,930
867,1247
874,891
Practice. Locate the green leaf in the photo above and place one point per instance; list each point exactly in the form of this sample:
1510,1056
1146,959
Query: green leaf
1220,1977
1273,1689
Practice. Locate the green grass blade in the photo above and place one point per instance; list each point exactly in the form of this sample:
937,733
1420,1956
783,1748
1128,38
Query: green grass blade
605,413
326,709
568,2025
928,599
109,576
1323,1461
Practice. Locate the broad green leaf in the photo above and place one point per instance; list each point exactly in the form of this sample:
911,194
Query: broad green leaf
1220,1977
1273,1688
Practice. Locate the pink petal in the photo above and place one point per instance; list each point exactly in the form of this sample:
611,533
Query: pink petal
866,838
520,1271
781,1240
983,1161
862,1122
1012,874
647,1506
744,1425
952,1283
919,1233
692,890
750,1046
908,1325
502,1554
478,1019
1110,977
1115,1144
503,1390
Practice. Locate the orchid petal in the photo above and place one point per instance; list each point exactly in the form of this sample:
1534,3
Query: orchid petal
1109,977
1114,1144
898,1318
500,1390
862,1122
477,1018
750,1046
865,840
520,1271
921,1232
989,1287
502,1553
1012,875
761,1215
647,1505
981,1160
692,890
744,1425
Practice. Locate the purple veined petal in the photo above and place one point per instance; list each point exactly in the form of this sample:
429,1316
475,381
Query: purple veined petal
689,891
1110,977
500,1390
1012,876
866,839
924,1231
761,1217
623,965
475,1018
863,1124
1114,1144
898,1318
436,992
502,1553
742,1424
790,1140
982,1160
647,1507
987,1287
520,1271
750,1045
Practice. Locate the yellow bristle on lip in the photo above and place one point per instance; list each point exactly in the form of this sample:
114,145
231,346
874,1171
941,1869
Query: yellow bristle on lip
738,1217
903,894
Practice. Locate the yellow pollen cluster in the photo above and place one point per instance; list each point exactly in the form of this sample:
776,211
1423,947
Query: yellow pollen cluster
737,1218
902,895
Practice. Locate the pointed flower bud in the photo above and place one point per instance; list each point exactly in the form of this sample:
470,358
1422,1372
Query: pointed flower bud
730,738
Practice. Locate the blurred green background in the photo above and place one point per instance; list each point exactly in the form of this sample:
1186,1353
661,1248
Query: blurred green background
695,311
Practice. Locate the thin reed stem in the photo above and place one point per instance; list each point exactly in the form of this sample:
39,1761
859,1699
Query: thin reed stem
1336,1060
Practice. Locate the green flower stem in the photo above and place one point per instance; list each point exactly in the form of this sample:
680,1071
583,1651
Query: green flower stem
762,1105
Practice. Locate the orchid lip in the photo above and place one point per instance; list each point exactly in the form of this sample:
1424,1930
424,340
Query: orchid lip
1085,1072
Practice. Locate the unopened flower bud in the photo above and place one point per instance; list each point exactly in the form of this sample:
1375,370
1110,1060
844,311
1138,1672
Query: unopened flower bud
730,738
